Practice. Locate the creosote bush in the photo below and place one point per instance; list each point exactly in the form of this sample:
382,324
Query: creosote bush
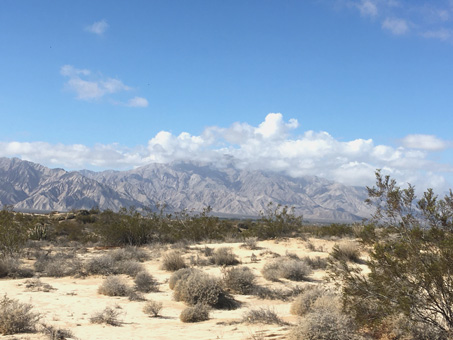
172,261
114,286
152,308
108,316
195,313
16,317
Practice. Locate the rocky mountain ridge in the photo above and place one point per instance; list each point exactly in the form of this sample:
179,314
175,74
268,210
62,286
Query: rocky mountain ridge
184,185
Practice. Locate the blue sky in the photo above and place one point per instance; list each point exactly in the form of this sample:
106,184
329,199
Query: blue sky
331,88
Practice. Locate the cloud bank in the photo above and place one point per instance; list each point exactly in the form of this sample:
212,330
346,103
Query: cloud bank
272,146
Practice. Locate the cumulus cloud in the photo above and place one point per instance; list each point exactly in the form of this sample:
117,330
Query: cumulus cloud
424,142
367,8
98,27
396,26
271,146
137,102
89,87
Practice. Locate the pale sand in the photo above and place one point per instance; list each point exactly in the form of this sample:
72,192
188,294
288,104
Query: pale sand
74,300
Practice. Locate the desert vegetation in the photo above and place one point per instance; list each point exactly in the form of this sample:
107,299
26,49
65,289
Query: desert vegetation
387,279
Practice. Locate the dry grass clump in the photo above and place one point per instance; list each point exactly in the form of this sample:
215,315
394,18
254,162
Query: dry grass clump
181,274
239,280
195,313
36,285
262,315
114,286
250,243
316,262
325,321
172,261
224,256
304,301
54,333
272,293
108,316
152,308
200,288
286,267
145,282
11,267
346,251
16,317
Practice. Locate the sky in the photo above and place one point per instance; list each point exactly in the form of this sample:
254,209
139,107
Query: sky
332,88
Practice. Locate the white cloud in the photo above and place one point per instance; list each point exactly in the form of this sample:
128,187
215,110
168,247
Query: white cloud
368,8
92,88
137,102
99,27
396,26
424,142
441,34
269,146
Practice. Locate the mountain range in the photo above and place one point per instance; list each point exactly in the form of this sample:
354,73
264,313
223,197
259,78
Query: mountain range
181,185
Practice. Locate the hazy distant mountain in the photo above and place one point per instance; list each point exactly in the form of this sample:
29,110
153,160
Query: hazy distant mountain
186,185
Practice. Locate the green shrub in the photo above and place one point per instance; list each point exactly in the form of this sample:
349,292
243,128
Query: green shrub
152,308
172,261
195,313
16,317
13,232
113,286
145,282
239,280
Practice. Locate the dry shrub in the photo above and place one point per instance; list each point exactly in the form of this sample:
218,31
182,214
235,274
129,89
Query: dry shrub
114,286
239,280
130,253
129,267
262,315
325,321
200,288
181,274
54,333
16,317
195,313
145,282
250,243
11,266
316,262
272,293
286,267
152,308
135,296
304,301
108,316
100,265
346,251
172,261
36,285
224,256
58,265
113,263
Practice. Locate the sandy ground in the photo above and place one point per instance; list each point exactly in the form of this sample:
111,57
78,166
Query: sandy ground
74,300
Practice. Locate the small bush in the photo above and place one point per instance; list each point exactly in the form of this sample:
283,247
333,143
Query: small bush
145,282
108,316
325,321
36,285
196,313
346,251
172,261
53,333
275,293
315,263
130,253
58,265
135,296
113,286
11,266
199,288
181,274
304,301
129,267
262,315
224,257
286,267
250,243
16,317
152,308
239,280
100,265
